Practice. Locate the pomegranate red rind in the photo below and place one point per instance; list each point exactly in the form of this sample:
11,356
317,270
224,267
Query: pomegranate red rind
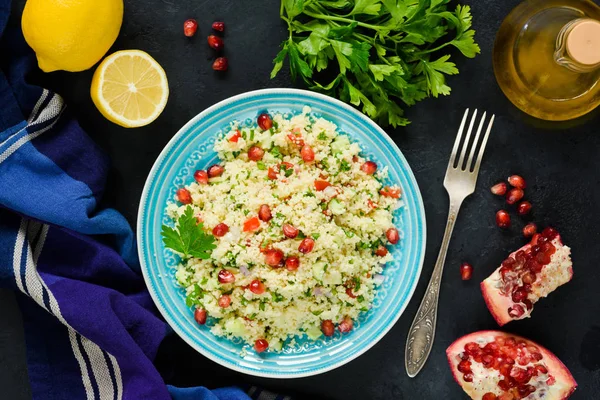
504,305
552,378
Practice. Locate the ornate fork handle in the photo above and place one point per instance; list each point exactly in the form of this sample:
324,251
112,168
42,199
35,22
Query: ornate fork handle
422,330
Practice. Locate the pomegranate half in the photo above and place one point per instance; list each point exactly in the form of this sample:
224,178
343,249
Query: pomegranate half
528,274
494,365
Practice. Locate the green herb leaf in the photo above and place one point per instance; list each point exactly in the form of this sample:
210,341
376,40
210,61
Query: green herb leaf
261,165
188,238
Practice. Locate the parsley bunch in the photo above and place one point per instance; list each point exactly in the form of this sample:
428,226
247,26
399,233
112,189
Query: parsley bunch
375,53
189,238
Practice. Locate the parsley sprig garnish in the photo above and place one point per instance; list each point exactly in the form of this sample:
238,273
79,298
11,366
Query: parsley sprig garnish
188,238
375,53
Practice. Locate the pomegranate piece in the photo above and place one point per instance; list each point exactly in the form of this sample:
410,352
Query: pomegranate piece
274,258
226,276
215,170
502,219
261,345
290,231
514,195
264,213
218,26
252,224
220,64
346,325
392,235
201,177
524,208
529,230
255,153
307,153
499,189
306,245
466,271
184,196
528,274
257,287
507,379
264,121
215,42
190,27
381,251
517,182
292,263
369,167
224,301
327,327
220,230
200,316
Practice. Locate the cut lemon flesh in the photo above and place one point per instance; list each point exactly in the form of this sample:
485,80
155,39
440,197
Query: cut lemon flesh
130,88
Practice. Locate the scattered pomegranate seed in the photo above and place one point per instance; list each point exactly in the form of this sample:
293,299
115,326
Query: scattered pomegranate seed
517,181
220,64
466,271
255,153
307,153
346,325
369,167
499,189
391,192
218,26
215,170
200,316
201,177
327,327
261,345
264,121
224,301
529,230
184,196
292,263
220,230
392,235
190,27
252,224
264,213
489,396
502,219
381,251
226,276
215,42
514,195
320,185
524,208
306,246
290,231
257,287
274,258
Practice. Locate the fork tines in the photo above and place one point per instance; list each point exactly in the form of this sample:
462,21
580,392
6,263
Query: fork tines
470,166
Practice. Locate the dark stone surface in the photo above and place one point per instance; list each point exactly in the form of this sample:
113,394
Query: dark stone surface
559,163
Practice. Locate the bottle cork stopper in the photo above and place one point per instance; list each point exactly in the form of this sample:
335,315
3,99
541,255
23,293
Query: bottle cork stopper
583,42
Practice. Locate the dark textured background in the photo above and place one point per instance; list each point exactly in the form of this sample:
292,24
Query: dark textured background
560,164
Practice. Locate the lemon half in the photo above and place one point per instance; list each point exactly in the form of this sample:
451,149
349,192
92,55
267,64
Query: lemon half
130,88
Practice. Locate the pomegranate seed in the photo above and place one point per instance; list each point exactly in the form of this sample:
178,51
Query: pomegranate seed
201,177
215,42
220,64
215,170
519,295
307,153
517,182
274,257
369,167
321,185
190,27
264,213
499,189
541,369
251,224
306,246
289,231
255,153
218,26
224,301
487,361
292,263
226,276
530,229
514,195
220,230
200,316
327,327
392,235
516,311
528,304
524,208
468,377
464,366
551,380
549,233
502,219
261,345
528,278
346,325
394,193
257,287
264,121
489,396
184,196
466,271
381,251
471,348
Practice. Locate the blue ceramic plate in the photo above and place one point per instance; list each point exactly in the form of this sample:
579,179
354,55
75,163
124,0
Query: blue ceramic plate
192,148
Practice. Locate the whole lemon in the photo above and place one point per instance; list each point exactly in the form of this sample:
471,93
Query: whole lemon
71,35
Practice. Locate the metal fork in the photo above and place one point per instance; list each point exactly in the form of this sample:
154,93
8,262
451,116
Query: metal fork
460,182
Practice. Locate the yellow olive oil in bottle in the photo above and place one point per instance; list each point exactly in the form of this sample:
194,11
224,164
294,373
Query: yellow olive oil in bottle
547,58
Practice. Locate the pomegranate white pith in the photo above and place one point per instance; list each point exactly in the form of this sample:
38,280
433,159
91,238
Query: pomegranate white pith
493,365
528,274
